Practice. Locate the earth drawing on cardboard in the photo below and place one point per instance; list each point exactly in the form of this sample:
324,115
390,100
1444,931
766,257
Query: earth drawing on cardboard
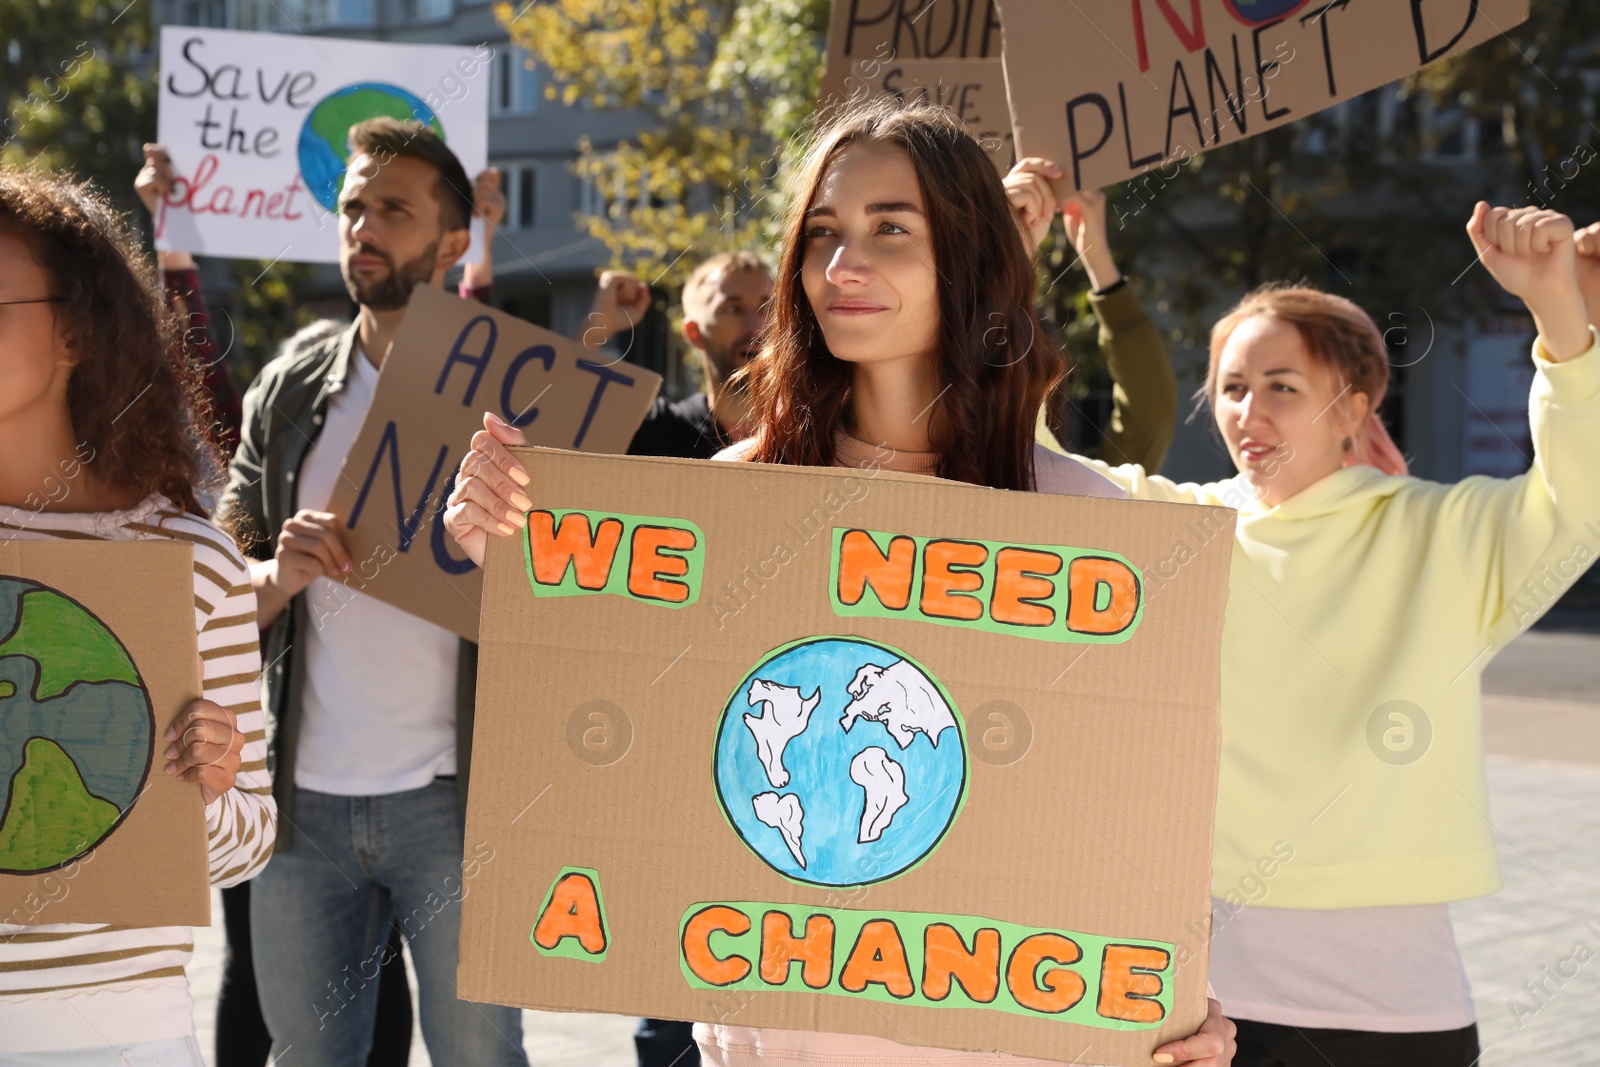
840,761
76,729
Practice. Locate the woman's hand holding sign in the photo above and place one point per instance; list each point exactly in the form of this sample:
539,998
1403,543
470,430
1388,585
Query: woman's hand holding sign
488,497
1212,1046
205,747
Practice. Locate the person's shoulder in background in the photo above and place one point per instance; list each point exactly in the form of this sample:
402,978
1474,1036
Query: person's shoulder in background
1064,476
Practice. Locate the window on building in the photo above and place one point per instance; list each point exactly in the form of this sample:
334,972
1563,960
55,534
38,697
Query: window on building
516,81
520,183
431,10
204,13
301,14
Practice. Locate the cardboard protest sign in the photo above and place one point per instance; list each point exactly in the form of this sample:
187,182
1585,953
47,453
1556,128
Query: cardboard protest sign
864,36
453,360
974,89
1112,88
256,126
944,52
843,750
98,655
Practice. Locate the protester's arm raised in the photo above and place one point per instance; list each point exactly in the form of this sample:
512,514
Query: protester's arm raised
1587,245
1144,390
488,498
621,300
153,182
489,204
1518,533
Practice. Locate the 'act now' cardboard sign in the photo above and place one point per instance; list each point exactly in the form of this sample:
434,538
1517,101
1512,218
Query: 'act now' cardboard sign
453,360
847,750
1113,88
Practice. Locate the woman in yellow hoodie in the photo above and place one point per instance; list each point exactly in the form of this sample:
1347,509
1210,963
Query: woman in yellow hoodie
1352,804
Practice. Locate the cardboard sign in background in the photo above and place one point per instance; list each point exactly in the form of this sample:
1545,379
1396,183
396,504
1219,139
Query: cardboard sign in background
453,360
85,735
974,89
252,121
864,36
605,721
1113,88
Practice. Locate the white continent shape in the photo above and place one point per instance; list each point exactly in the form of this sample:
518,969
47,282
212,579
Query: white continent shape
784,716
900,697
884,783
785,815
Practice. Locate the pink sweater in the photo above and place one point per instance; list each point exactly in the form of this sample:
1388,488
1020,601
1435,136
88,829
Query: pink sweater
722,1045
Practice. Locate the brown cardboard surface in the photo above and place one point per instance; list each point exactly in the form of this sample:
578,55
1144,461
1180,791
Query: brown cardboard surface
150,868
1090,769
453,360
866,35
974,89
1113,88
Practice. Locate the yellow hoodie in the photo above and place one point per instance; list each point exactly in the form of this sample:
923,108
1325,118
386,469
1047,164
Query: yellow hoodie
1361,591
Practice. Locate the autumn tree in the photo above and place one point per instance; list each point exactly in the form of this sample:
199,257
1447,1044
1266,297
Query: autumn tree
723,87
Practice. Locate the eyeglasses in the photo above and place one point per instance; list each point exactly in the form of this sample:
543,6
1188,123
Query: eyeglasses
35,300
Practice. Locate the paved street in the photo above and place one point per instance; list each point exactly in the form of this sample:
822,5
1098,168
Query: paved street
1532,950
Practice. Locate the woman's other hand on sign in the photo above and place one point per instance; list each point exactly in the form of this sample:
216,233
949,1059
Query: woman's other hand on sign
488,497
152,184
204,747
1587,244
1028,186
1085,217
1532,254
489,204
1212,1047
310,546
619,303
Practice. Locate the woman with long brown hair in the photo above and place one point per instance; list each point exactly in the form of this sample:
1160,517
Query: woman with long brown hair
903,335
100,438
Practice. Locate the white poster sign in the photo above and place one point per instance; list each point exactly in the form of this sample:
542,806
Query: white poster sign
256,126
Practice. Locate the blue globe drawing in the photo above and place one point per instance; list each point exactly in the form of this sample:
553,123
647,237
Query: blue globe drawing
840,761
324,151
1261,12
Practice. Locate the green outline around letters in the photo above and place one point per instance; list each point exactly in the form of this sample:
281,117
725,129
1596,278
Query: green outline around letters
955,711
847,926
1057,632
617,578
574,951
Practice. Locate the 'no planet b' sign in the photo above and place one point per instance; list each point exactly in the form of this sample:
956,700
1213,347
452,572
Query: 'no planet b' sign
256,124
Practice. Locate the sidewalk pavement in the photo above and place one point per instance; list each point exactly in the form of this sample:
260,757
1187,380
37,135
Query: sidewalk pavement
1532,951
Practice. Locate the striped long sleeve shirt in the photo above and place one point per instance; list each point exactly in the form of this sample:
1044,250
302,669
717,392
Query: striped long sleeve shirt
76,985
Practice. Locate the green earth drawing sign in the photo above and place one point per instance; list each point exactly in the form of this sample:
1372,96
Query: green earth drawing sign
76,729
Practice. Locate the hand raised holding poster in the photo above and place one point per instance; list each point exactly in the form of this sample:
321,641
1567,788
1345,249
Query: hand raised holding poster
453,360
1113,88
256,125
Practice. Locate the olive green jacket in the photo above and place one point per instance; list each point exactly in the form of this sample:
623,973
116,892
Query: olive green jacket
284,410
1144,390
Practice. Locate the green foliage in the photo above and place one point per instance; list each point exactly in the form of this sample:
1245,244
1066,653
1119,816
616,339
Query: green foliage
724,87
76,94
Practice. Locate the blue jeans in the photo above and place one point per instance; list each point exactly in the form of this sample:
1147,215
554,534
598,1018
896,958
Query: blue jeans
319,925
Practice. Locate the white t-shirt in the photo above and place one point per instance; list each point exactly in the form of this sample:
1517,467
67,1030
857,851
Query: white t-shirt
1392,970
378,710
